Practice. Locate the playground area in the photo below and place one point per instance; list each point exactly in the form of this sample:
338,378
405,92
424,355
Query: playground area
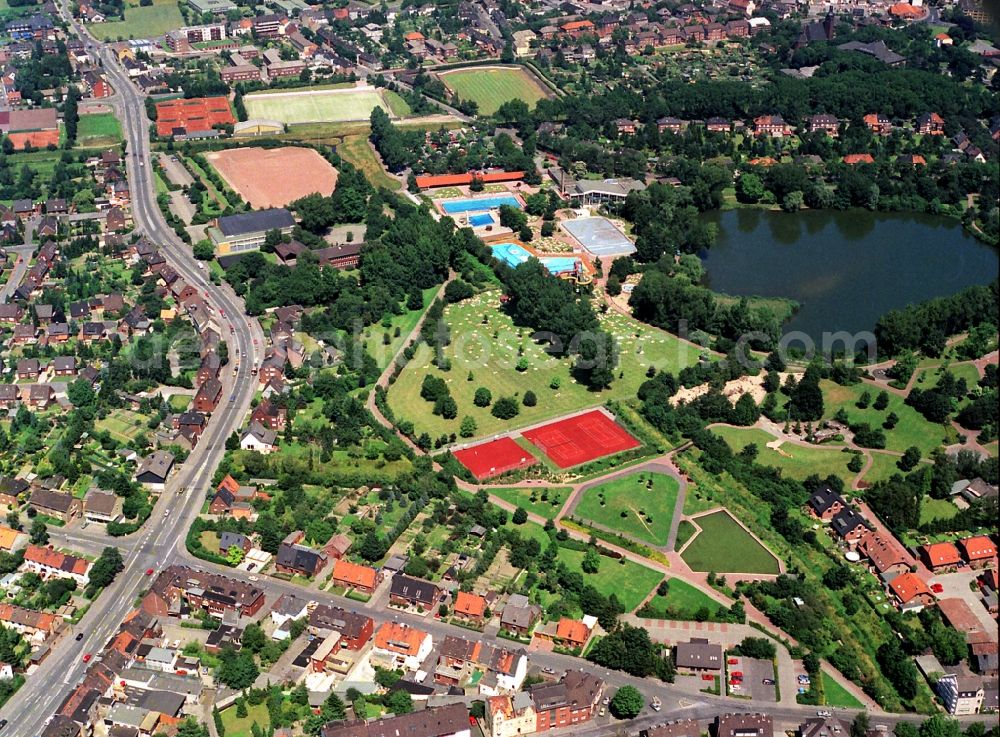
494,458
580,439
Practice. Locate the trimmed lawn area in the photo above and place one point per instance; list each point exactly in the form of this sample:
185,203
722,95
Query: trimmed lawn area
796,461
180,402
724,546
685,531
236,727
141,22
935,509
308,106
640,505
912,428
489,88
485,342
929,378
683,601
544,501
883,467
836,695
397,105
98,130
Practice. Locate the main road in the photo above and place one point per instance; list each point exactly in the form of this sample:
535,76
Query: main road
158,540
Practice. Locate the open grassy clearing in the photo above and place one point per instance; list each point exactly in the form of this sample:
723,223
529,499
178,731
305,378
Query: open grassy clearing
640,505
236,727
883,467
912,428
98,130
141,22
929,378
485,342
545,501
316,106
795,461
374,335
724,546
490,87
837,695
358,151
683,601
936,509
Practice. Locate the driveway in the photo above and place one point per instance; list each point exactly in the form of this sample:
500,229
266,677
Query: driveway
959,586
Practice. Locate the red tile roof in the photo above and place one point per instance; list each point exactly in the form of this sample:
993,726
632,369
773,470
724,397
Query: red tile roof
978,548
942,554
908,586
471,605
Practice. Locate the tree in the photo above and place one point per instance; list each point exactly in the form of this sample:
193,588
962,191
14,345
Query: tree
910,459
234,555
39,532
859,727
203,250
520,516
881,401
591,562
506,408
238,670
629,649
254,638
757,647
468,427
626,703
483,397
749,188
529,399
399,702
104,570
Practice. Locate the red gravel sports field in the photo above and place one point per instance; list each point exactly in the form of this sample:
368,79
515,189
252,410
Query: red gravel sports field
494,458
580,439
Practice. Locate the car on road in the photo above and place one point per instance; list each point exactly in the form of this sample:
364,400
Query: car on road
149,571
79,636
201,265
767,681
823,713
232,397
3,723
86,657
937,588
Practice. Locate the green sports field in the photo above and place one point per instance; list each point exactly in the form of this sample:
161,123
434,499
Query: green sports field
724,546
307,106
490,87
141,21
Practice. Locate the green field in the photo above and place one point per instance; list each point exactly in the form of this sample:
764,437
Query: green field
640,505
883,467
307,106
545,502
935,509
683,601
236,727
357,150
98,130
490,87
929,378
796,461
493,360
837,695
724,546
141,22
374,335
912,428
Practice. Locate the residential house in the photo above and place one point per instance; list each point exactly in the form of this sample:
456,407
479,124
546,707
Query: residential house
208,396
439,721
978,551
940,556
259,439
414,592
355,629
470,607
55,504
572,700
296,559
353,576
930,124
102,507
519,615
878,124
743,725
270,415
154,470
850,526
771,125
885,555
400,645
910,592
49,563
962,694
212,592
511,716
825,503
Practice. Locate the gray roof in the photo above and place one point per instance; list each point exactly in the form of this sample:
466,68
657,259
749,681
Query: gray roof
157,463
257,221
698,653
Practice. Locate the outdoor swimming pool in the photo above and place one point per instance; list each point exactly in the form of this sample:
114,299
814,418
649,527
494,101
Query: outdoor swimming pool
479,204
480,219
512,255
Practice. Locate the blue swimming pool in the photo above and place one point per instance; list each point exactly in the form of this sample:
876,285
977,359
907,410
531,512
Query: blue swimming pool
512,255
479,204
480,219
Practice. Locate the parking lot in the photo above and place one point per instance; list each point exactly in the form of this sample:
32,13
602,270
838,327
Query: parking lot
755,672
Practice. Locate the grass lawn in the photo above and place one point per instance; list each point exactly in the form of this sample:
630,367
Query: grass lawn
309,106
210,541
796,461
685,531
683,601
929,378
836,695
640,505
374,334
357,150
141,22
935,509
724,546
179,402
98,130
236,727
492,362
883,467
397,105
490,88
545,502
912,428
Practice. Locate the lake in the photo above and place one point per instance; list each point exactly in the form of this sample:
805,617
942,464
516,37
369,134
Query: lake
844,268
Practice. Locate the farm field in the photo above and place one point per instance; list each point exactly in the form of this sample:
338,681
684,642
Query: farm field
912,428
492,362
545,501
98,130
141,22
640,505
724,546
274,177
683,601
490,87
308,106
795,461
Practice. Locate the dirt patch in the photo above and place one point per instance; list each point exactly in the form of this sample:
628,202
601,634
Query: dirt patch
274,177
733,390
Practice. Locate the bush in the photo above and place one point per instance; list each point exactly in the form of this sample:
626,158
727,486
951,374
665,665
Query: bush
529,399
505,408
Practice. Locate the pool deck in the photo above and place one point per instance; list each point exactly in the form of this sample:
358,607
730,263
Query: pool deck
582,256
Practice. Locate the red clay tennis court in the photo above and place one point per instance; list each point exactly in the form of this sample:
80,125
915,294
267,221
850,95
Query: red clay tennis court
494,458
580,439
